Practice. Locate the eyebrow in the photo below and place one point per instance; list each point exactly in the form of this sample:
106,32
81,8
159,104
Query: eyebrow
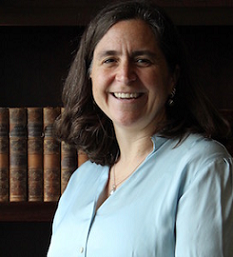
144,52
134,54
106,53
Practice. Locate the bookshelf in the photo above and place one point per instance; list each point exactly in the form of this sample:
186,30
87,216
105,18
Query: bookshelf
37,42
27,211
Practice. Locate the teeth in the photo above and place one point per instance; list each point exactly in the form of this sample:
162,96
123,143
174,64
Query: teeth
126,95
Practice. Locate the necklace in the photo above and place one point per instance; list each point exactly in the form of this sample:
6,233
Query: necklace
114,185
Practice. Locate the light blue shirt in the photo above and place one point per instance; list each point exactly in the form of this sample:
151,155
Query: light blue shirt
179,202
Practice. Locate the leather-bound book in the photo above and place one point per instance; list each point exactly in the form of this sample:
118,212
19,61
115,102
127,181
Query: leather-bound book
4,151
35,154
68,163
18,154
52,157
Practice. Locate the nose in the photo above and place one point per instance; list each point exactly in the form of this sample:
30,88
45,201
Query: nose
126,73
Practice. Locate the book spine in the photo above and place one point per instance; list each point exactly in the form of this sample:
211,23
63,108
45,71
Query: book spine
35,154
4,151
52,157
68,163
18,154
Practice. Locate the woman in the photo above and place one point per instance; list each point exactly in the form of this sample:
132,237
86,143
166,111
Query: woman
156,184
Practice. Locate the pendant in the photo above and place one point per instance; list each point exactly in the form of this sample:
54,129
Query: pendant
113,190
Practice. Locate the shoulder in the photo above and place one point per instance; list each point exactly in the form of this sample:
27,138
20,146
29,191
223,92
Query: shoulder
204,157
88,171
197,146
195,156
193,152
86,176
201,165
193,148
80,177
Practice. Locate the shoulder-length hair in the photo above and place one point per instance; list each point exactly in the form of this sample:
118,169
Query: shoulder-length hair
84,125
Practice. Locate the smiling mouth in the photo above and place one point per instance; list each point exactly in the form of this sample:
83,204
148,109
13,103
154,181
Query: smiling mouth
127,95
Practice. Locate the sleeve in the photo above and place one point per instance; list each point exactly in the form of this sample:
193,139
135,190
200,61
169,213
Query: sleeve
204,222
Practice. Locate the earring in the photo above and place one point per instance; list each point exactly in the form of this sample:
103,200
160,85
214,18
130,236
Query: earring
171,98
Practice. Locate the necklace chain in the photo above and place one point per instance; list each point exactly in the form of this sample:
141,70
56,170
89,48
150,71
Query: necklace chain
115,185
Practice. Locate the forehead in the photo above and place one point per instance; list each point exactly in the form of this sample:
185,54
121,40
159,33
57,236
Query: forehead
130,33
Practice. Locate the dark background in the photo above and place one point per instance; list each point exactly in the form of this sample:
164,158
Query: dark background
35,61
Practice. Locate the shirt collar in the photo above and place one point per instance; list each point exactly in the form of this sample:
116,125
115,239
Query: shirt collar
158,141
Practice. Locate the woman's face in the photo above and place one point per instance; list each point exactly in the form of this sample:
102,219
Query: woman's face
130,78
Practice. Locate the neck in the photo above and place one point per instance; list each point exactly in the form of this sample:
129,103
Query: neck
131,156
133,145
134,148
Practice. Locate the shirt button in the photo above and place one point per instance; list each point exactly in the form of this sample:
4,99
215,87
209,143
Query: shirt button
81,249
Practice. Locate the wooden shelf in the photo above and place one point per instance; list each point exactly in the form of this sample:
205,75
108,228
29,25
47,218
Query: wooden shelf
27,211
73,13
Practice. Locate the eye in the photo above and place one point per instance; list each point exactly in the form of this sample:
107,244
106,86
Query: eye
109,60
143,62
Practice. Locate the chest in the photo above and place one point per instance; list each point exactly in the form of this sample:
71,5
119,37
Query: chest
139,228
137,220
140,223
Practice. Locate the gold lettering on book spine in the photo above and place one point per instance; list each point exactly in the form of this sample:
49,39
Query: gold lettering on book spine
18,154
35,154
52,157
68,163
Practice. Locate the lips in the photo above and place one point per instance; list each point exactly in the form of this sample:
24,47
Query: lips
127,95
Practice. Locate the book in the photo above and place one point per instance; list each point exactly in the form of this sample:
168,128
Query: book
52,157
4,151
68,163
35,153
18,154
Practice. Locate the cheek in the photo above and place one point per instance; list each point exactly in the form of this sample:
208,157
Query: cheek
94,91
94,81
159,91
98,92
100,83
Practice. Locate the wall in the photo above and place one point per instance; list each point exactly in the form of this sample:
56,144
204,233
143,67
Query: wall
35,62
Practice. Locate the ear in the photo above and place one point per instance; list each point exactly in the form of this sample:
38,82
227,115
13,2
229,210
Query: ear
174,77
90,71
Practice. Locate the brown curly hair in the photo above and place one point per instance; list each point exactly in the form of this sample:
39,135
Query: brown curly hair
84,125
